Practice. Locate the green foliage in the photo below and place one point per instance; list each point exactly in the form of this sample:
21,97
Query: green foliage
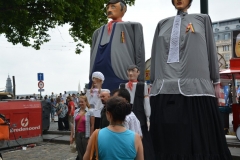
28,21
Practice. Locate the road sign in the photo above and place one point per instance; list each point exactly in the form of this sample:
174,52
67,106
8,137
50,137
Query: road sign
40,90
40,84
40,77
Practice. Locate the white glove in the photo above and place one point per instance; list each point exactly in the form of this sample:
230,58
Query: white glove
148,123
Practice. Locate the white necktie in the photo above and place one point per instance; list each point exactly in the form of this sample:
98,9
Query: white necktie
173,55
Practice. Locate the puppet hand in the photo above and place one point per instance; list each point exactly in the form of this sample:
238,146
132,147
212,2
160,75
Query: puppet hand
148,123
217,90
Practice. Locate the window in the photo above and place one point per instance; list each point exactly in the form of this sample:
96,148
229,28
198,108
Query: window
216,29
227,57
226,36
216,37
237,26
228,23
226,28
227,66
214,25
225,48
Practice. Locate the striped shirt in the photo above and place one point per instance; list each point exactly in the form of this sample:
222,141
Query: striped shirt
132,123
88,116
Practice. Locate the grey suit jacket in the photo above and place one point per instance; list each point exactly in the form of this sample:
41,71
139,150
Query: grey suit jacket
122,54
197,68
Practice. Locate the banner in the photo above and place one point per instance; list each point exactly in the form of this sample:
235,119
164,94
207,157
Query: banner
147,75
236,44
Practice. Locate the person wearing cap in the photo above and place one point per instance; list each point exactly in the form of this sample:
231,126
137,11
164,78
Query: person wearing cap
185,120
140,106
117,45
93,96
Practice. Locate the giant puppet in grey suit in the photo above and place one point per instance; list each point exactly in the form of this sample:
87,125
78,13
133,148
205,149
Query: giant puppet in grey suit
185,121
115,46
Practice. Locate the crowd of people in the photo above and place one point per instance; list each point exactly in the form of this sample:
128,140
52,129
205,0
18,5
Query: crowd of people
63,106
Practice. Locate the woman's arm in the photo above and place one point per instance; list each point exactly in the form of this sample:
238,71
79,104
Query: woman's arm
59,111
92,121
71,108
139,147
71,135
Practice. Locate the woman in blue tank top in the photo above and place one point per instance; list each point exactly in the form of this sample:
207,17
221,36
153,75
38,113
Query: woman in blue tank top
115,141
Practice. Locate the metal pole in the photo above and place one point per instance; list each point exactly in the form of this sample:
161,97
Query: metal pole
204,6
14,87
234,89
40,93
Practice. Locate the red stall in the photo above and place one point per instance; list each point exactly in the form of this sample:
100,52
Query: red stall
233,73
25,118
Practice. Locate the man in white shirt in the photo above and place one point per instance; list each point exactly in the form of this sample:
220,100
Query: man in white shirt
131,122
64,96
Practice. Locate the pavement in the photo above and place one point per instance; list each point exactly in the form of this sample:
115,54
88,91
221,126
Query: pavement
62,137
43,151
55,145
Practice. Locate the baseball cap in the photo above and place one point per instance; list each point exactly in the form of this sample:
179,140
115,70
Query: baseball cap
116,1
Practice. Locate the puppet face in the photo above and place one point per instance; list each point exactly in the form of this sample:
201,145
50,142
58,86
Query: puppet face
96,82
114,11
133,74
181,4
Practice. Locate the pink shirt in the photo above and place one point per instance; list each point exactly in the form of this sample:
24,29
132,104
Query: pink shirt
81,126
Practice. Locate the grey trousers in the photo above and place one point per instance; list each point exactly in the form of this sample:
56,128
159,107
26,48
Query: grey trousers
81,144
70,121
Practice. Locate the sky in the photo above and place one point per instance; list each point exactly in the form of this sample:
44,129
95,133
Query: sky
64,70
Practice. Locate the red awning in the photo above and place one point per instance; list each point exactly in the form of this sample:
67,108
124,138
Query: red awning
227,71
227,74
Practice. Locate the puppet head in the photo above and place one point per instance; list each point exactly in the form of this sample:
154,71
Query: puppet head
133,72
182,5
97,79
116,9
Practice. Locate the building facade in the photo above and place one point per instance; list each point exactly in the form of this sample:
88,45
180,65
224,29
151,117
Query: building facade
224,38
9,85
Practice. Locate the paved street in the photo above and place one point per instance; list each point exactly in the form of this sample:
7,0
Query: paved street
56,147
43,151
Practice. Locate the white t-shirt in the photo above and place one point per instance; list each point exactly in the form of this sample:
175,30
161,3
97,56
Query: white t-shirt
64,96
95,101
132,123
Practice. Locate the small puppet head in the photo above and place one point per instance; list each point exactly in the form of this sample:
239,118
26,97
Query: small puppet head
97,79
133,72
116,9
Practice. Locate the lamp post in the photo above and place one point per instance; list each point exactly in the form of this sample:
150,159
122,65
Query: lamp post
204,6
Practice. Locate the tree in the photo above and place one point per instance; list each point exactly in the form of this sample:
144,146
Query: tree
28,21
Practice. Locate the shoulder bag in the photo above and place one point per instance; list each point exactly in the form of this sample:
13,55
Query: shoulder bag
73,148
94,147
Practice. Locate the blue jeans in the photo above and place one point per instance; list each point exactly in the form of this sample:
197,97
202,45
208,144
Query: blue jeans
52,113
